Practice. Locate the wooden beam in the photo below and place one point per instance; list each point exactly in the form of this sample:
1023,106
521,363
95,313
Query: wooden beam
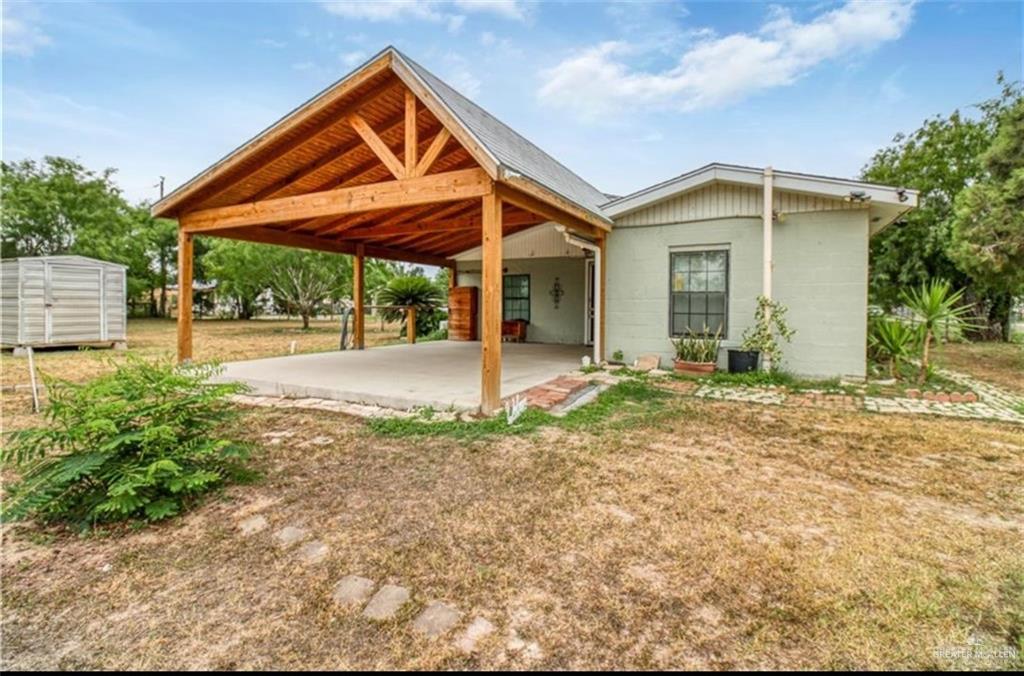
534,205
170,204
544,196
490,320
358,284
410,132
483,157
184,296
435,148
444,187
270,236
427,226
379,148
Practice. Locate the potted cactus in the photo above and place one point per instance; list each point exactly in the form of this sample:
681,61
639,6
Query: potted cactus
697,353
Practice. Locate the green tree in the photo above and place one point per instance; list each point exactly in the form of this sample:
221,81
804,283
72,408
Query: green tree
942,160
306,283
988,222
241,271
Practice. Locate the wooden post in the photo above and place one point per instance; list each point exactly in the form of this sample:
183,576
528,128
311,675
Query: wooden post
184,296
453,275
358,295
490,320
410,324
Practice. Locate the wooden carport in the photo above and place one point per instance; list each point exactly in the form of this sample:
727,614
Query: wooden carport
383,164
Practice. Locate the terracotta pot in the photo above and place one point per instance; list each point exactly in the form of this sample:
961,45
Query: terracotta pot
694,368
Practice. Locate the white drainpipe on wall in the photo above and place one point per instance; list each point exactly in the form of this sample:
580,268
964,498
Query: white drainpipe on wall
590,246
767,216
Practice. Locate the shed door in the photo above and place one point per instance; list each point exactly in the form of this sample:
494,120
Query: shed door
74,306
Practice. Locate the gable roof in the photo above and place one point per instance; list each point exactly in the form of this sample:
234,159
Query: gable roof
501,151
889,202
511,151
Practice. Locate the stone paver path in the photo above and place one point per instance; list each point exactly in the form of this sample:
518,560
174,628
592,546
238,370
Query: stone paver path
290,535
436,619
477,631
254,524
313,552
352,591
386,603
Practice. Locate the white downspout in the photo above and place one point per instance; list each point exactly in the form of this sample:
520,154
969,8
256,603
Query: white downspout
767,216
590,246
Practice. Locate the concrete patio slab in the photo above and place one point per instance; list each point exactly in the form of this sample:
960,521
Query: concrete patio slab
441,374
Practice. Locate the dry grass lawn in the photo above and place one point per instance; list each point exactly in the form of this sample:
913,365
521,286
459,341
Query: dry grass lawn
680,534
221,340
998,363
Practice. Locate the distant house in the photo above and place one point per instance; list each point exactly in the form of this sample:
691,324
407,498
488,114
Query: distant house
391,162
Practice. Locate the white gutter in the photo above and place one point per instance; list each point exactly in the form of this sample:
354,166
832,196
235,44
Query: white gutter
590,246
767,218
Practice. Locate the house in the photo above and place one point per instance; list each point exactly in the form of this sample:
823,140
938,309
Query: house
391,162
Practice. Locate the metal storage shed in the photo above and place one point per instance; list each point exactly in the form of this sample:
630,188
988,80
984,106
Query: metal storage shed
51,301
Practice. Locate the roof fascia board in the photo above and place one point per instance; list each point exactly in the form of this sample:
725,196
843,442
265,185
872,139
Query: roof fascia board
789,181
370,68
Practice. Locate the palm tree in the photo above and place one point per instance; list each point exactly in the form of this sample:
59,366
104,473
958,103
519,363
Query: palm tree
935,303
415,291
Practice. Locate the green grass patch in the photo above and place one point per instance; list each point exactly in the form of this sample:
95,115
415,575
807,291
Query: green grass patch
628,402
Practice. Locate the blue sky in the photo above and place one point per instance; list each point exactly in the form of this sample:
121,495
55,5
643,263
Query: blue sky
625,94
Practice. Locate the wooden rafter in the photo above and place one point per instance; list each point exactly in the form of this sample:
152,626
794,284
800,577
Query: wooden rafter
266,235
444,187
379,148
429,157
410,132
429,226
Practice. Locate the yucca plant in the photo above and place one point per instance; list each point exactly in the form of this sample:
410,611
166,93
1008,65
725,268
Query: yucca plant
141,442
935,303
894,341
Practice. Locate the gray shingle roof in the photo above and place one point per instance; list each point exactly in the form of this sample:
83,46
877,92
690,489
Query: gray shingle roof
509,148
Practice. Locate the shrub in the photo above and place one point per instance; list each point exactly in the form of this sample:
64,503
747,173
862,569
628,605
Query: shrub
700,348
769,320
141,442
893,341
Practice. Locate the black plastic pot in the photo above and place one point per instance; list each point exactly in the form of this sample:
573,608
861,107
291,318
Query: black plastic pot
743,361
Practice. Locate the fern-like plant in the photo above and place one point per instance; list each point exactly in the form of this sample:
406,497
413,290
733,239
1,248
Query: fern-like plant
141,442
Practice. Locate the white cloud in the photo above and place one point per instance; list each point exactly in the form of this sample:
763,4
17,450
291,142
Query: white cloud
352,59
716,70
21,31
272,43
424,10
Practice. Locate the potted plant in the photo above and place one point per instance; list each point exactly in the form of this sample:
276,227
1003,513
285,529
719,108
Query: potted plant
760,339
696,354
